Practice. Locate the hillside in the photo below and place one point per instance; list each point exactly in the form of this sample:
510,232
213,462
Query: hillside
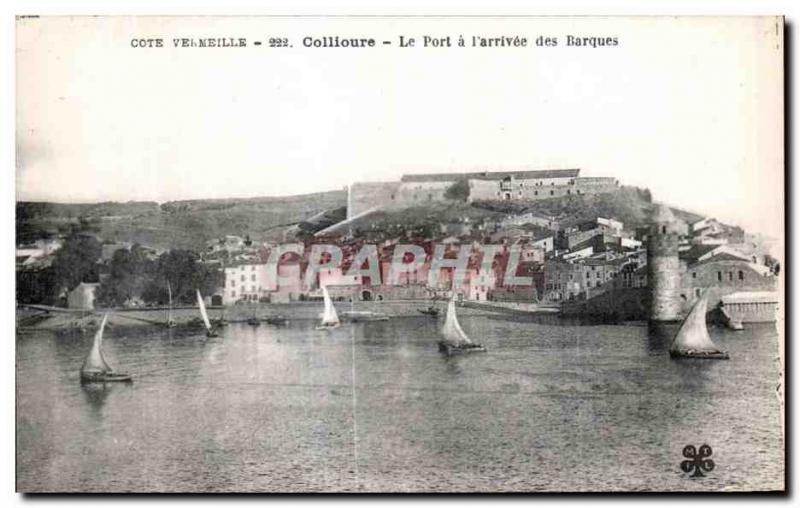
177,224
191,223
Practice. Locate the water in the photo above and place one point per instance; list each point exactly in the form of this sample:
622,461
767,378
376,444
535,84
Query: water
375,407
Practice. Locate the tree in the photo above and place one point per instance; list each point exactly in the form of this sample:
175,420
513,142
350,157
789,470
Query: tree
130,272
185,273
458,191
76,261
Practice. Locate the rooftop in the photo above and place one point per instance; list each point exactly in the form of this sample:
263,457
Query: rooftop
491,175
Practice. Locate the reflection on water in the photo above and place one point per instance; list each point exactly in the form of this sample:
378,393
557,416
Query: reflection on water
374,407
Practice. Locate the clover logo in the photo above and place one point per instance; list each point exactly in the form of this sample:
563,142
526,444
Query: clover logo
698,461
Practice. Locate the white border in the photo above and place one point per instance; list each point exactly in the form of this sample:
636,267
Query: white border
11,8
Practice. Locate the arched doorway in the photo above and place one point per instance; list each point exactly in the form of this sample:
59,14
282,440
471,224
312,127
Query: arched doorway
366,295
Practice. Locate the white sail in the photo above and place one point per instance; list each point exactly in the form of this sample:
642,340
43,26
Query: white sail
202,305
169,309
452,330
693,333
329,316
95,363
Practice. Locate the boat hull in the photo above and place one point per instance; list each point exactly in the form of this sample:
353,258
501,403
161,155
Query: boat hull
106,378
736,326
365,319
431,313
702,355
328,327
454,349
211,334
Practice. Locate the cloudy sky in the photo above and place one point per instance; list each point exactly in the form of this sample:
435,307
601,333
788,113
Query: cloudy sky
691,108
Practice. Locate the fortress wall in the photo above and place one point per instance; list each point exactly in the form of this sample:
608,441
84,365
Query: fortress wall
411,193
365,195
362,196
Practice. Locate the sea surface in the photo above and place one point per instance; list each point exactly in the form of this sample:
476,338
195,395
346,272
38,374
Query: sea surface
375,407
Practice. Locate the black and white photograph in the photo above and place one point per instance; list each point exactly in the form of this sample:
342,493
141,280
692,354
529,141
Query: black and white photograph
399,254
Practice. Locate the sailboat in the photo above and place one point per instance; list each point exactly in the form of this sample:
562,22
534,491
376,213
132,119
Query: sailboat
253,320
170,322
358,316
330,319
431,311
692,339
455,340
204,314
95,369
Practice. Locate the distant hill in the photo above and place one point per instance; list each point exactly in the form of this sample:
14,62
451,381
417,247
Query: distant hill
178,224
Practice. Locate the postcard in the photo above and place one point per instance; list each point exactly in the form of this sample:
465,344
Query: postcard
409,254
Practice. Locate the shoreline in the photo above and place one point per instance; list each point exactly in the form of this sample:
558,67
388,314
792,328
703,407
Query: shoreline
67,319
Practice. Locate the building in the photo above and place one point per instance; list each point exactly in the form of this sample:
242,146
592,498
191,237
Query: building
248,282
578,254
562,281
536,218
480,284
610,226
723,275
82,296
414,189
751,306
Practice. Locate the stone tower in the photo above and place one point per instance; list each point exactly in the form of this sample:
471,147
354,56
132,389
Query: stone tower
663,266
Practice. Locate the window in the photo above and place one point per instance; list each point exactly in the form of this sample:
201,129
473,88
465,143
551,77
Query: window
242,278
719,276
694,275
552,193
730,275
697,292
741,275
569,192
535,193
663,230
233,294
253,268
253,277
597,284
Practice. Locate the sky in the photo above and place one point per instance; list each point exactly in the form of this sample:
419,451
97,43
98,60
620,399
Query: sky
691,108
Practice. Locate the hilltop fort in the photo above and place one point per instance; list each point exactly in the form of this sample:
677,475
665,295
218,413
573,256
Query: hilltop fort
416,189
